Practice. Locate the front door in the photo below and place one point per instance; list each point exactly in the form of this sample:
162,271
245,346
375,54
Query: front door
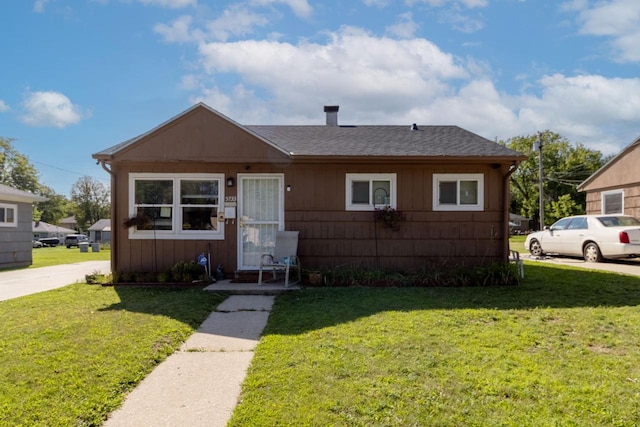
260,215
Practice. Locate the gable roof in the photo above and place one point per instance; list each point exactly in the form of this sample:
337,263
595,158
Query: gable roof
101,225
11,194
617,158
377,141
45,227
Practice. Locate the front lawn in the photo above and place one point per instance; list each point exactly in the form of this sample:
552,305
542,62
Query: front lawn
68,356
560,350
45,257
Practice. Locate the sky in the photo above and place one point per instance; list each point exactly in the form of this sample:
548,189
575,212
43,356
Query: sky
79,76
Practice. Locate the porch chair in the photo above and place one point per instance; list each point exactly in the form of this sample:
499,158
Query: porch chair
284,257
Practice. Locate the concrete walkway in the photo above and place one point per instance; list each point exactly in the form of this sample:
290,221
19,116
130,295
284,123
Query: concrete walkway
18,283
199,385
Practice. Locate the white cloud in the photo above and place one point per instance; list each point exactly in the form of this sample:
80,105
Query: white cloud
237,20
617,20
178,31
50,109
405,26
3,107
456,3
39,5
170,4
300,7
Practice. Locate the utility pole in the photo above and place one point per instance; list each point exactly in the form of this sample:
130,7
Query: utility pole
537,145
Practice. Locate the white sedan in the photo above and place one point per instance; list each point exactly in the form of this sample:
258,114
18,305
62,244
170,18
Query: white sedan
593,237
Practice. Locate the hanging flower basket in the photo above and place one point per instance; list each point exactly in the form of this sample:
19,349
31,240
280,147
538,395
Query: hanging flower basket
390,217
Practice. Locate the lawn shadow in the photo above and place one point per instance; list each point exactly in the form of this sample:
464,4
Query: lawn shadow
188,304
545,286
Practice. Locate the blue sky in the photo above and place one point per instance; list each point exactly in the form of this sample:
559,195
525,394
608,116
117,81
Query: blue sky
79,76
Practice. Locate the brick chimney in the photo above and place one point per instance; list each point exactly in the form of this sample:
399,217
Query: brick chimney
332,114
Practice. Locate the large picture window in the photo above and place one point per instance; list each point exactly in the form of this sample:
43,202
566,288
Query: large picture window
8,215
177,206
366,192
613,202
458,192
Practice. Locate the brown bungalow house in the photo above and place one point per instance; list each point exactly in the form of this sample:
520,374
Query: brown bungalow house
202,182
615,187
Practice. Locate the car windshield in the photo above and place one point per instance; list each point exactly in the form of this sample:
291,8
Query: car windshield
618,221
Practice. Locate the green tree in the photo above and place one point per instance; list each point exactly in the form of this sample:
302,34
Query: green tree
15,169
54,209
564,167
91,200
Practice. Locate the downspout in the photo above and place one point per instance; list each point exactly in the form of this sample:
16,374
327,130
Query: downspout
507,197
114,228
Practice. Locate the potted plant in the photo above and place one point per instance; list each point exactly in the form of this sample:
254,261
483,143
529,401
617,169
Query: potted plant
390,217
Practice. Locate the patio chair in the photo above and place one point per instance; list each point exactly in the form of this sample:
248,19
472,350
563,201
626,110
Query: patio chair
514,257
284,257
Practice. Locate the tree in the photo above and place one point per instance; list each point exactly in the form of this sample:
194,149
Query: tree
564,167
91,199
15,169
54,209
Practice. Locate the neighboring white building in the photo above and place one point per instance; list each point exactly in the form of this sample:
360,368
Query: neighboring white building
43,229
100,232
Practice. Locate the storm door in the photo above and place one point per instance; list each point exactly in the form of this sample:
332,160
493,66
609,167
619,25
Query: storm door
260,214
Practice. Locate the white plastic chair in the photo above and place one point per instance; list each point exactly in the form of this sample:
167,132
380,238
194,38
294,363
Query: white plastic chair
284,257
514,257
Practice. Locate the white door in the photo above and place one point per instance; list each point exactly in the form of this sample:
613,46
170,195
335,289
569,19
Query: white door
260,215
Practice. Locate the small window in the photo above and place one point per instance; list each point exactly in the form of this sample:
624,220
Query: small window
458,192
613,202
365,192
8,215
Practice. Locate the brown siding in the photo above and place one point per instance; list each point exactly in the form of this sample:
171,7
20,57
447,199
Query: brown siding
631,200
330,235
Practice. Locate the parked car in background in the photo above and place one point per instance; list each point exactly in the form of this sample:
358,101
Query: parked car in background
36,244
49,241
593,237
75,240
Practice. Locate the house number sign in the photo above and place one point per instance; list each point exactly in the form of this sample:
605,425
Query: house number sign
230,199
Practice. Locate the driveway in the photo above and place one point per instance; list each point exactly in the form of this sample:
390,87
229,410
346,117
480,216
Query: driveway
17,283
631,266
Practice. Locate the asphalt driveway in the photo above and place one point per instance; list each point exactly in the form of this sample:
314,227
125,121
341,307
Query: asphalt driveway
17,283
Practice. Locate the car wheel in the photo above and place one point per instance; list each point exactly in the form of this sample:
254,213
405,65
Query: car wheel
68,246
535,248
592,253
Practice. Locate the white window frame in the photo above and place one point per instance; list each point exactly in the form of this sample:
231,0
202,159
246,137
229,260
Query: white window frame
6,207
603,204
371,206
176,232
438,177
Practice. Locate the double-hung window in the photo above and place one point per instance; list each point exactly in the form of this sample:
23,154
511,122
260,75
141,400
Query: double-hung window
368,191
176,206
613,202
8,215
458,192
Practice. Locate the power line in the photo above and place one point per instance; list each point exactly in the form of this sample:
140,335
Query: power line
68,171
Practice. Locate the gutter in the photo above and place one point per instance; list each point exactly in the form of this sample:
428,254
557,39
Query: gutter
114,238
507,197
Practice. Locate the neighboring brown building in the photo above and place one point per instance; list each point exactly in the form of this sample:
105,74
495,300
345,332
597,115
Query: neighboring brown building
202,182
615,187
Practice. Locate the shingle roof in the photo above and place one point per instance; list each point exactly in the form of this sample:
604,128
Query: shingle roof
359,141
427,141
15,195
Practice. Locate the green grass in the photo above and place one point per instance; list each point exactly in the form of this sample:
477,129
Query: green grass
559,350
68,356
45,257
516,243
